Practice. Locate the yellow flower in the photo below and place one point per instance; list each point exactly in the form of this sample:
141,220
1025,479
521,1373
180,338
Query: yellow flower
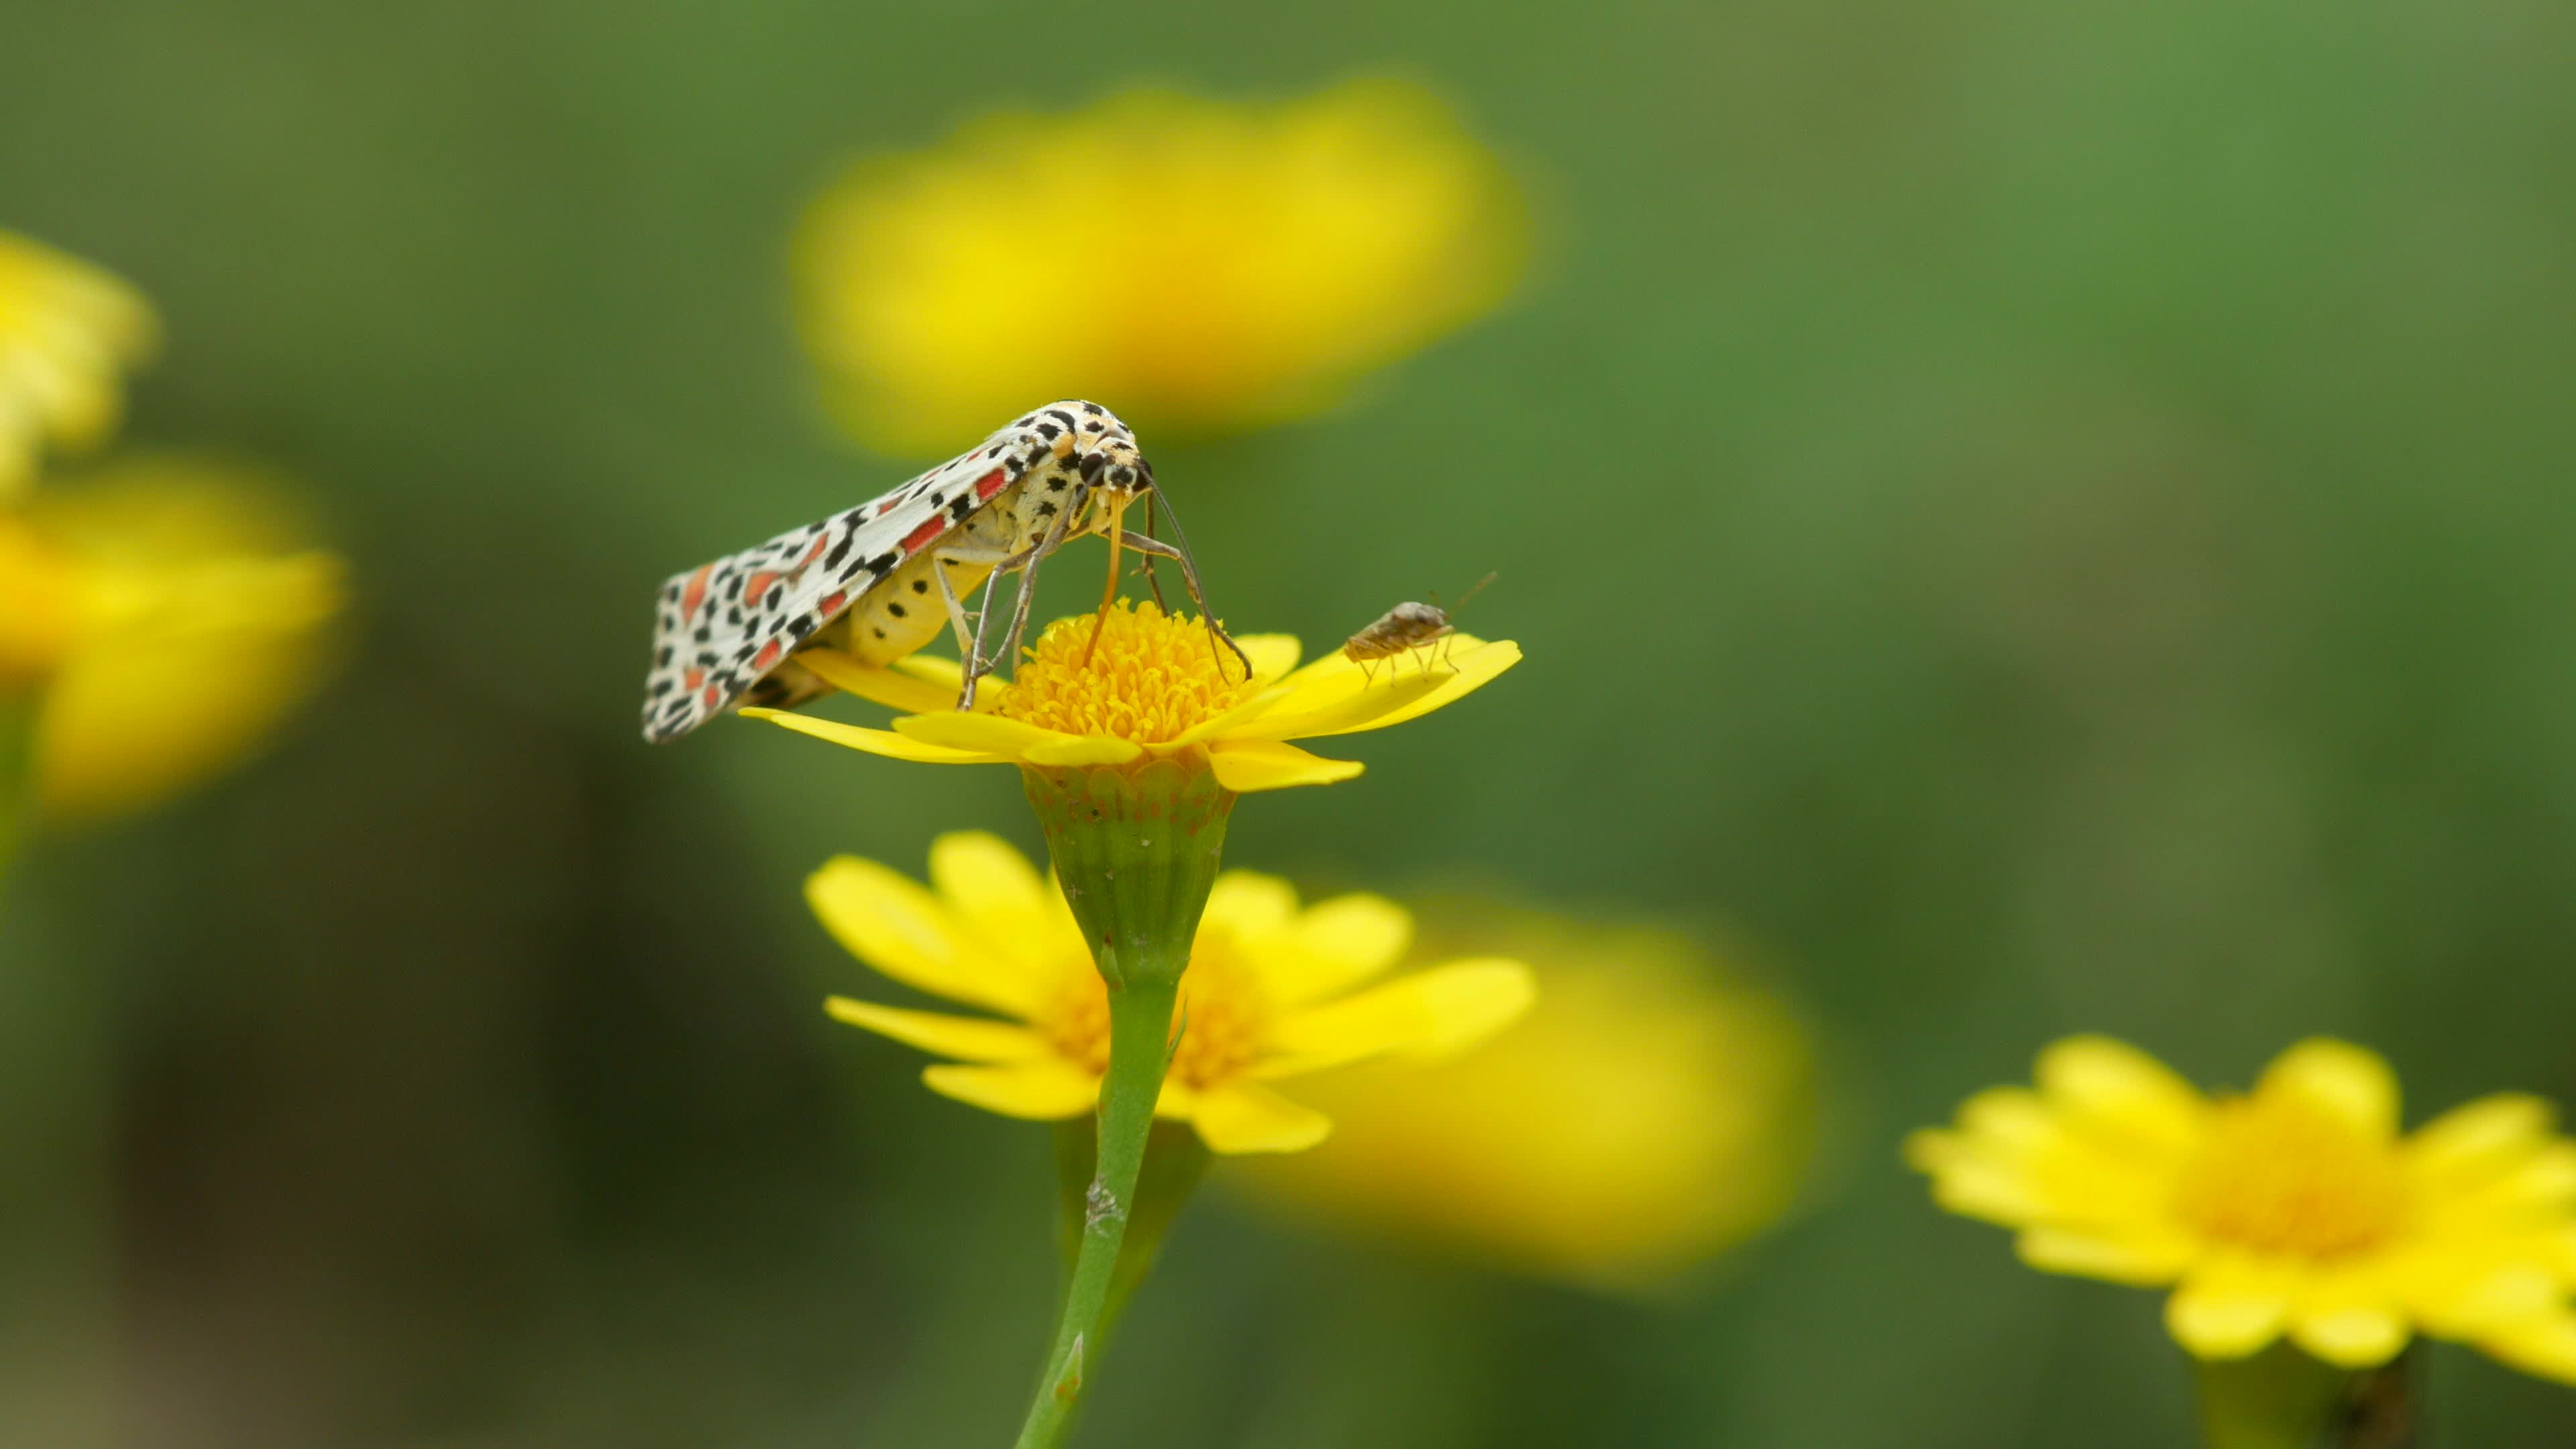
1212,266
2296,1209
1272,990
1649,1116
67,333
182,619
1158,689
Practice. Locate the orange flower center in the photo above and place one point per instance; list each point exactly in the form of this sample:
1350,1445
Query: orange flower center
2280,1176
1219,1020
1152,677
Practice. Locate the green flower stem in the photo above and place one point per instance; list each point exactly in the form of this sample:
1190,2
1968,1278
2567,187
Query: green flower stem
1140,1024
2277,1399
1135,852
1175,1161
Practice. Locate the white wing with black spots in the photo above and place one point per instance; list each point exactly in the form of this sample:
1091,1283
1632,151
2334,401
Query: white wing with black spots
722,626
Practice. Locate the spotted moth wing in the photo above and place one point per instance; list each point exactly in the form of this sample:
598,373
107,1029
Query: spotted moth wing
719,628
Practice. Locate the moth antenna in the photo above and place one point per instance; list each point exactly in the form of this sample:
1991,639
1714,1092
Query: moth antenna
1153,580
1471,593
1198,595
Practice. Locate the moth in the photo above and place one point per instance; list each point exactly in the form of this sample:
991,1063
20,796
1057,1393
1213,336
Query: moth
1406,627
880,580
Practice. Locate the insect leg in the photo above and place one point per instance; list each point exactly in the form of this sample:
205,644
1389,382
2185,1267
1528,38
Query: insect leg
1155,547
1027,594
1153,580
940,559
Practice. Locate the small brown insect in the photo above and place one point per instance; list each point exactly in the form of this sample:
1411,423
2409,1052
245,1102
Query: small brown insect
1406,627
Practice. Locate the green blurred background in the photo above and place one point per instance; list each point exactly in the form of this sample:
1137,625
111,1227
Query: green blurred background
2042,517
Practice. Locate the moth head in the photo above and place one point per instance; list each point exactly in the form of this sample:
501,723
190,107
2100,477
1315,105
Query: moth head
1116,471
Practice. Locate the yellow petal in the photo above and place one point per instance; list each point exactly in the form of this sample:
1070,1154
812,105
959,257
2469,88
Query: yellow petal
1272,655
1071,751
2122,1096
962,1037
1045,1090
906,933
1473,665
897,690
1429,1014
1011,911
2139,1261
1246,1117
1245,766
1365,708
2230,1305
2349,1318
1337,945
875,742
983,733
2351,1083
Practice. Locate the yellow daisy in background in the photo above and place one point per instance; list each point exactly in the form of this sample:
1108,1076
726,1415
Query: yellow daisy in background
1273,990
166,613
68,332
2297,1209
1654,1113
1158,688
1212,265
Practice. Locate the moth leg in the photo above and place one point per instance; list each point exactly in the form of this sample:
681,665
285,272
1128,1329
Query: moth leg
1025,561
1031,557
940,559
1156,548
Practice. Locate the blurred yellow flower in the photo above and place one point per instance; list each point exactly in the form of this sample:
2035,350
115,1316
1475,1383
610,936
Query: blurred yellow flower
1272,990
1158,689
181,617
1212,266
2296,1209
1648,1115
68,331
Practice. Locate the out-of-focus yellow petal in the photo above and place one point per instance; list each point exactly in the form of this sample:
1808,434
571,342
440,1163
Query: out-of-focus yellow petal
876,742
961,1037
2140,1261
202,620
1426,1015
2121,1094
2231,1305
2543,1344
2352,1084
1242,1117
1339,944
1258,258
1246,766
908,934
1249,904
1047,1089
2350,1316
2479,1140
1639,1118
68,332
